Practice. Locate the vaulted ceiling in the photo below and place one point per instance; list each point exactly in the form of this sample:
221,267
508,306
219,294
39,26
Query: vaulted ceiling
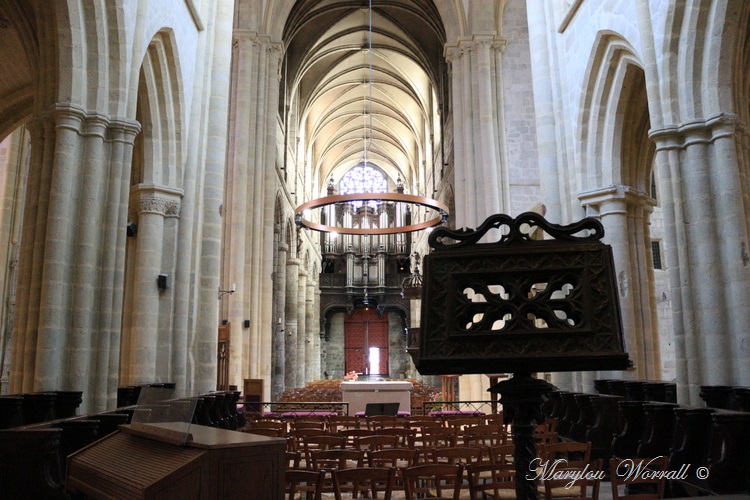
364,80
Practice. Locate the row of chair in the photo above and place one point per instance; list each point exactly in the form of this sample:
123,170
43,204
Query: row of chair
389,471
338,422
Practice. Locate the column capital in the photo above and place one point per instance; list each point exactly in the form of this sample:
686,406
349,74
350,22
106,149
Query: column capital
156,199
616,198
293,261
473,42
68,116
257,39
40,125
123,130
697,131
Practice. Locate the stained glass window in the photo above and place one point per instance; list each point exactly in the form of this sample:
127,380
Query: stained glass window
363,178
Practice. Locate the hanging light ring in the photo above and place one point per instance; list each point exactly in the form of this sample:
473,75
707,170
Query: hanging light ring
440,208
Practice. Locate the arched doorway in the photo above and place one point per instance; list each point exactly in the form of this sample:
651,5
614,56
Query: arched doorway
366,342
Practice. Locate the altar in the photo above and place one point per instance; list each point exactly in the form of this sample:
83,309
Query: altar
358,394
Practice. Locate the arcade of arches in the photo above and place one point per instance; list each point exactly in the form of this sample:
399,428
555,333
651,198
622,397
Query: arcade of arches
153,154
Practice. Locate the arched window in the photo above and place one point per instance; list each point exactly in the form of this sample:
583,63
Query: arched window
363,178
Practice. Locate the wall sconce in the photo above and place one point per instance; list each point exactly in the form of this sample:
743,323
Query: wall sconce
231,290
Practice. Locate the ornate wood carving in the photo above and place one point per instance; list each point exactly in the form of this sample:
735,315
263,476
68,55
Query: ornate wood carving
519,304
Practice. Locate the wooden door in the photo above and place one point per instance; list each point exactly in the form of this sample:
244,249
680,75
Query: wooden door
366,343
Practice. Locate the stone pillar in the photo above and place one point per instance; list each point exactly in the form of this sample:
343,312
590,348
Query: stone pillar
279,347
251,187
14,168
301,328
476,64
70,285
318,332
621,210
310,331
42,133
477,120
546,108
290,322
153,204
707,249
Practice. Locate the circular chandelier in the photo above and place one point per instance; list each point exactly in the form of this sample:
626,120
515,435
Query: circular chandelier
440,208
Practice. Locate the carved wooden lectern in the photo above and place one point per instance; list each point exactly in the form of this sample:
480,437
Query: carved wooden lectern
519,295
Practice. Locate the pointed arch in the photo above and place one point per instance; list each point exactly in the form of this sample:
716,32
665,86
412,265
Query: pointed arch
160,111
614,69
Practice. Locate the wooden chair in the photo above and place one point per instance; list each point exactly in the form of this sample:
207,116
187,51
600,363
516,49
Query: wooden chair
496,481
304,484
363,482
501,454
396,458
574,480
438,437
377,422
352,434
341,422
628,482
406,436
279,425
546,432
484,435
263,431
463,422
336,459
419,421
495,419
375,442
297,436
436,481
457,454
323,442
568,450
297,425
293,459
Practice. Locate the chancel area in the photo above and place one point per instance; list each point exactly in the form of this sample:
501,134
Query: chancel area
243,203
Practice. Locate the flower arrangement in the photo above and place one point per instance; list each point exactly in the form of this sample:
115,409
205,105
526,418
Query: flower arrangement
352,375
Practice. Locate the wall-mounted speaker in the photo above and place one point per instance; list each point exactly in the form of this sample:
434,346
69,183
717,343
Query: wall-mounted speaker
131,229
164,281
246,323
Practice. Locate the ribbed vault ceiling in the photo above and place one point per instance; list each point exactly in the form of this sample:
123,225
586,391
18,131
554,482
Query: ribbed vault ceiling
359,78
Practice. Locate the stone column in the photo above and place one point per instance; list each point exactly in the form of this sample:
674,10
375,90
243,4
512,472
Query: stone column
251,186
317,333
279,347
70,285
621,210
122,135
477,140
476,64
301,328
290,322
546,109
310,331
707,248
14,168
26,320
153,204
